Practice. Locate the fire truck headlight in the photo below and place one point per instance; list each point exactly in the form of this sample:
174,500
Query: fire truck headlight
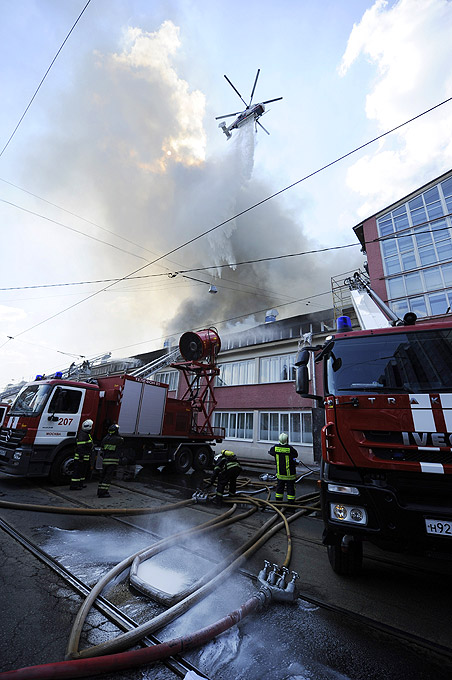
17,455
339,488
348,513
340,511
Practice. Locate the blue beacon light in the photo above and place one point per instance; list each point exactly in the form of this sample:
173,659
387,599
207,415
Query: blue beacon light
344,323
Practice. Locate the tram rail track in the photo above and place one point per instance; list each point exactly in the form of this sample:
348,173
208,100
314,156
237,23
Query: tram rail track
378,559
125,623
178,665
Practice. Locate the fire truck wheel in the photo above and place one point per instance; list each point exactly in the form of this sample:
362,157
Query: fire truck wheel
346,563
182,460
62,466
202,458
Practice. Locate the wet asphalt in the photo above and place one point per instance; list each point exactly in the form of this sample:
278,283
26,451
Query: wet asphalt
300,641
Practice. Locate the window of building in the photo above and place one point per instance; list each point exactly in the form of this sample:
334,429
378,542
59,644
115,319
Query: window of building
237,425
170,378
297,425
279,368
237,373
423,230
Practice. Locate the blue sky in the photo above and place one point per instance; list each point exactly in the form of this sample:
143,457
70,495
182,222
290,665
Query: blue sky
123,134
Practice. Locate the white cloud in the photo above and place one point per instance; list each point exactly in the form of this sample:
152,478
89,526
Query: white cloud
409,44
9,315
149,56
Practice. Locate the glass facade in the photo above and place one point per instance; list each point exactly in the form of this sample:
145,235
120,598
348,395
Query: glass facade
279,368
416,249
170,378
236,373
298,426
237,425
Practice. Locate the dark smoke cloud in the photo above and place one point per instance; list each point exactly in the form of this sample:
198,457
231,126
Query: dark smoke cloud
128,146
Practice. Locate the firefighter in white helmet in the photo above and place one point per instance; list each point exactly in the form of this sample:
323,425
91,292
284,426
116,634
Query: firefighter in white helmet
286,459
82,456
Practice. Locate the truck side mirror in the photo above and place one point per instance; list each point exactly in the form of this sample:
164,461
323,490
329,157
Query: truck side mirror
302,383
302,358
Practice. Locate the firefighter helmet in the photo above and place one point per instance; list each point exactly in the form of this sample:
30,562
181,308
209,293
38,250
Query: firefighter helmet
113,429
217,457
87,425
283,438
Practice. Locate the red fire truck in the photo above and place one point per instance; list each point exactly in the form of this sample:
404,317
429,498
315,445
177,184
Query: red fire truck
39,432
3,411
386,470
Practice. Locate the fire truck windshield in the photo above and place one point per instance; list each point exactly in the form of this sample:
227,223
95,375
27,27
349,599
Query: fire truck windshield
30,401
418,361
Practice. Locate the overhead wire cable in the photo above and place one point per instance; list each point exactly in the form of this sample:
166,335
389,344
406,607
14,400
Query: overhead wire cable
241,213
183,271
43,78
223,321
65,226
79,217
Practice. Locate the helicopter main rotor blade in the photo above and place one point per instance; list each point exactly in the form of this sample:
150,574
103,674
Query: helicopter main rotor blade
236,90
272,100
254,86
228,115
258,123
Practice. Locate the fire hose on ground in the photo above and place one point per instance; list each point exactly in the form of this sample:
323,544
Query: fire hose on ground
85,665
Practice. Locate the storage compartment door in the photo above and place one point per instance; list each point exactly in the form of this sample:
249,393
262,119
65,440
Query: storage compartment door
130,404
152,409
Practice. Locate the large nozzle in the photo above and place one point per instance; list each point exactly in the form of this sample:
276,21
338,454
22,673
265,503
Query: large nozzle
199,345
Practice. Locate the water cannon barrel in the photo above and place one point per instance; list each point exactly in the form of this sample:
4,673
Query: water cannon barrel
202,344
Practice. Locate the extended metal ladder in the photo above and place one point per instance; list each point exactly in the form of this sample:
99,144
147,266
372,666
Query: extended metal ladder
157,364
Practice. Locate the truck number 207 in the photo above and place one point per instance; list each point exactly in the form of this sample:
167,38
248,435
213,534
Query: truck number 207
65,421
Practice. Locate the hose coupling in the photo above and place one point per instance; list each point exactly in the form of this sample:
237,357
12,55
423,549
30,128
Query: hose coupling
200,496
275,581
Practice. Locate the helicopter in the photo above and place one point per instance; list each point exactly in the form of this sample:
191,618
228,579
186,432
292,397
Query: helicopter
252,112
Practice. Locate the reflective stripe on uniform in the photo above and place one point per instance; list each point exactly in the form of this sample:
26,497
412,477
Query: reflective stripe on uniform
283,463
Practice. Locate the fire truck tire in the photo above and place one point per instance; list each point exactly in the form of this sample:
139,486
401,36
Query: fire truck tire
346,563
182,460
202,458
62,466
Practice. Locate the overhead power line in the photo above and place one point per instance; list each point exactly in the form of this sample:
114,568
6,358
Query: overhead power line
241,213
181,272
43,78
65,226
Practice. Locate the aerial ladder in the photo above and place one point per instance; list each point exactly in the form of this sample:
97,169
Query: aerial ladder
371,311
157,364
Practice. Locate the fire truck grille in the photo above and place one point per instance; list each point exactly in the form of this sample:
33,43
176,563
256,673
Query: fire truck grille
10,439
413,455
411,490
383,437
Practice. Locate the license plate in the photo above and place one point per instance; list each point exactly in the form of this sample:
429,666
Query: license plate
439,527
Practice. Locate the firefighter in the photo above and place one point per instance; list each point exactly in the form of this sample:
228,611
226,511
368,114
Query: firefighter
286,459
110,445
82,457
227,468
